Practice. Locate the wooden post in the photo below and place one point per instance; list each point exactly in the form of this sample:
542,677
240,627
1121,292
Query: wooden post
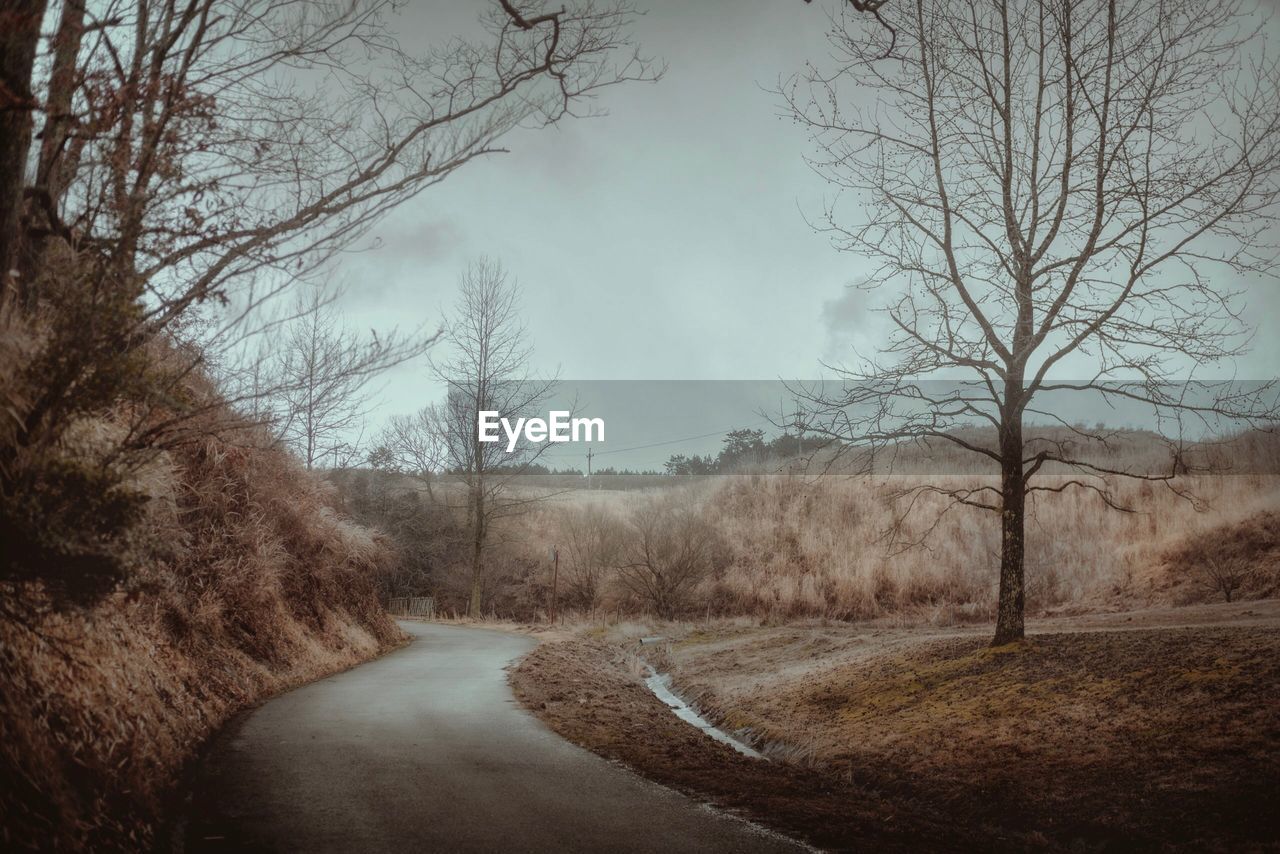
555,579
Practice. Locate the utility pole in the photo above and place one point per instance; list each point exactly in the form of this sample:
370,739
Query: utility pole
588,466
782,420
799,429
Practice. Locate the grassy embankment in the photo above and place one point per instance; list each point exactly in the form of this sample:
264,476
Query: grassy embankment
1130,731
822,548
246,580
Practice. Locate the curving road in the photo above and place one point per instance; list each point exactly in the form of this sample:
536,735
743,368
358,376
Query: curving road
425,749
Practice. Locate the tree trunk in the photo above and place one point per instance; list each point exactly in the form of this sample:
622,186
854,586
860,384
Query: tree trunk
51,172
1013,498
1013,476
19,35
477,557
55,166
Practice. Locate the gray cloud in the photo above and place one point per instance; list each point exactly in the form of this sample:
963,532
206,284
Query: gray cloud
664,240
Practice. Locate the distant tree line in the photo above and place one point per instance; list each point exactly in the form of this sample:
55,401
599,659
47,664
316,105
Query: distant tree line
743,449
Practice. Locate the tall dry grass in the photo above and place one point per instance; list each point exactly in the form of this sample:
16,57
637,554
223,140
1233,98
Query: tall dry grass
841,547
251,582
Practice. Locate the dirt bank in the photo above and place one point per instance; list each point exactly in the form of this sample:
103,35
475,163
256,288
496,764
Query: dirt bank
590,692
263,584
1103,732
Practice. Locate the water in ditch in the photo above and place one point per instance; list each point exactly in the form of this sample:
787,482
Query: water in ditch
660,685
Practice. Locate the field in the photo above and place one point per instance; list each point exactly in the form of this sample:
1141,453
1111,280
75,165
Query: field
843,547
840,624
1155,729
815,543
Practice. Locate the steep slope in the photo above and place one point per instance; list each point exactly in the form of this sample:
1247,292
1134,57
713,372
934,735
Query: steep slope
250,580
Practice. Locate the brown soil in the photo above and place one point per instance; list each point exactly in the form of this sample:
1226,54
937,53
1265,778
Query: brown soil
589,691
1097,739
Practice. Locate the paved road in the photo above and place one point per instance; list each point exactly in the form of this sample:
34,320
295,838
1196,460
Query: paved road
425,749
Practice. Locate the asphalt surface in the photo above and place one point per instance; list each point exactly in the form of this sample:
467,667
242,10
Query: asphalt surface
426,749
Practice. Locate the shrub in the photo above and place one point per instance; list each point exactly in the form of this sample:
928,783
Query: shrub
1238,559
671,546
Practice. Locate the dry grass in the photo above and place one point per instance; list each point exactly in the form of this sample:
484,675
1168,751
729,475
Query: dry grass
1141,738
1108,732
591,693
826,548
253,583
1238,560
821,549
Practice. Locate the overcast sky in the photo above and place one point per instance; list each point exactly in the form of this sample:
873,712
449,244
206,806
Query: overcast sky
665,240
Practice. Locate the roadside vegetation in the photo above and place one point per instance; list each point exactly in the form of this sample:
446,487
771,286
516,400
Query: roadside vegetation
243,578
774,544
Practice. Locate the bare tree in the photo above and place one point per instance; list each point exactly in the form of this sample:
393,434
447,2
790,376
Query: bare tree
415,444
211,152
320,379
19,40
199,157
1225,575
671,548
1046,184
489,369
209,146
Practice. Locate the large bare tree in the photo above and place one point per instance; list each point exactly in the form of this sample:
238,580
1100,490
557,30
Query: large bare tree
210,151
1046,189
209,140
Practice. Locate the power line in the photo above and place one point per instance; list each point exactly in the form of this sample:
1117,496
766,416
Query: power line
722,432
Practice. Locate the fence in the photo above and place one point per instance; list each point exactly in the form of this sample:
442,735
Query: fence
412,606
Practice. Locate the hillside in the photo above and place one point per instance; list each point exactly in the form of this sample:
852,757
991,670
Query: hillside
243,579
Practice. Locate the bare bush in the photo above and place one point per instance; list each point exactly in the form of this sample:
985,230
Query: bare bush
1236,560
593,542
430,539
1224,576
672,546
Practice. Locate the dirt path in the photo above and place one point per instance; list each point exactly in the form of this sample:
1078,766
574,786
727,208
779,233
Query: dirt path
426,750
737,661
